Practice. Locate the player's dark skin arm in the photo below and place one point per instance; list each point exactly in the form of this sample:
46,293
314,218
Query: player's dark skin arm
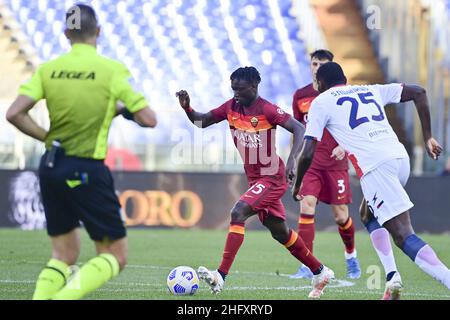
18,116
400,227
304,162
298,130
419,96
201,120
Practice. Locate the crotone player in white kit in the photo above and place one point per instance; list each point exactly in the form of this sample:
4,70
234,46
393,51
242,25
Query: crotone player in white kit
354,115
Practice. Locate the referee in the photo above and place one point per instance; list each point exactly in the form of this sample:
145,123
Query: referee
82,89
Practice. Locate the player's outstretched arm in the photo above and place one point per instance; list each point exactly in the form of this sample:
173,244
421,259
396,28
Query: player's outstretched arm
18,116
298,131
201,120
419,96
304,162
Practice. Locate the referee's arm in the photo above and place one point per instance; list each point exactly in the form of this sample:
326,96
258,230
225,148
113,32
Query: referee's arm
137,108
17,113
145,117
18,116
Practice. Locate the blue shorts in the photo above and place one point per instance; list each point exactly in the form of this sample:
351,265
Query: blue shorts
80,190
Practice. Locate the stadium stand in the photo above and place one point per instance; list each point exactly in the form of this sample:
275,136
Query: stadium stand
16,67
190,44
416,31
342,22
150,37
196,44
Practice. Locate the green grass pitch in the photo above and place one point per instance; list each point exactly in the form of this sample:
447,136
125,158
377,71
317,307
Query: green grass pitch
259,272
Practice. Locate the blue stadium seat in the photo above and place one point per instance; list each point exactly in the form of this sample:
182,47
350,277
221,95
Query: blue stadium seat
161,62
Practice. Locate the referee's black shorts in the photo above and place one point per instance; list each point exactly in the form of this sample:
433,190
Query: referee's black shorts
80,190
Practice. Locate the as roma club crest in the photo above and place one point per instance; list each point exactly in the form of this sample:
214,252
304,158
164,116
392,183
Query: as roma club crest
254,121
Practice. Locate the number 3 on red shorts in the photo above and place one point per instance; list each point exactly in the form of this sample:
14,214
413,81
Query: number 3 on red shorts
341,186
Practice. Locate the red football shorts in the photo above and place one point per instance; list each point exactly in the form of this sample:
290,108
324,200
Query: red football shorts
264,196
330,187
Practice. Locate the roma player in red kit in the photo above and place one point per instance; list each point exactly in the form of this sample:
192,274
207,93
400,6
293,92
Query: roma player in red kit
327,180
253,122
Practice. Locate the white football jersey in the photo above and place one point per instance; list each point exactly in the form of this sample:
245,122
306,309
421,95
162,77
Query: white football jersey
355,117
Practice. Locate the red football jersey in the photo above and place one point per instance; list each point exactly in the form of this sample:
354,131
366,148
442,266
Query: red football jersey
253,131
301,103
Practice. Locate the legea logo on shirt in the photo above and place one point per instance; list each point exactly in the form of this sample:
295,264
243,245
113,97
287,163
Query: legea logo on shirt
73,75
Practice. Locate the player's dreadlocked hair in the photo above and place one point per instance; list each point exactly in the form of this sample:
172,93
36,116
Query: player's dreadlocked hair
249,74
332,74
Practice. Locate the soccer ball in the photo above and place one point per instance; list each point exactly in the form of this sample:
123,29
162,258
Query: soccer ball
182,281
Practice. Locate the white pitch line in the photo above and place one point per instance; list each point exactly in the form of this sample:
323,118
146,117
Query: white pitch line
334,288
151,267
232,272
334,284
17,281
342,283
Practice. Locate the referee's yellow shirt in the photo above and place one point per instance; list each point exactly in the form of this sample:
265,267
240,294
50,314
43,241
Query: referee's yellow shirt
82,89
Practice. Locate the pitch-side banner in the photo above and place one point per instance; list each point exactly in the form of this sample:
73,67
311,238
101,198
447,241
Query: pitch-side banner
204,200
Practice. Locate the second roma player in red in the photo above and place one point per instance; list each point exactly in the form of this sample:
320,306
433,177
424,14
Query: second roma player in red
253,122
327,179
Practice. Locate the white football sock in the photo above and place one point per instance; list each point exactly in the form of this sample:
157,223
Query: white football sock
350,255
427,260
382,244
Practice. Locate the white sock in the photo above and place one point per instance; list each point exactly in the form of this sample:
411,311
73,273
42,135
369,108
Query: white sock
350,255
382,245
427,260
